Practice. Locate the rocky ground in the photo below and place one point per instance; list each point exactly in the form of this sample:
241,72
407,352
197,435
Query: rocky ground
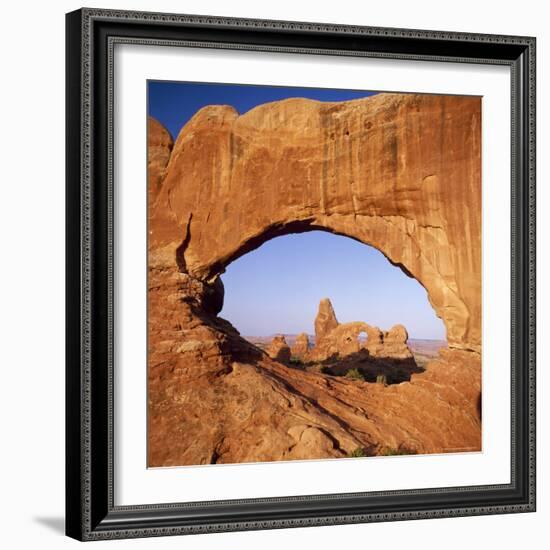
423,350
216,398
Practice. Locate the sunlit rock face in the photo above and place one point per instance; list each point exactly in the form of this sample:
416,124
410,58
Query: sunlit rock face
336,340
400,172
159,148
300,348
325,321
279,350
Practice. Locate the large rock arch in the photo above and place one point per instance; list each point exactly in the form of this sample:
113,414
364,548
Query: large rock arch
398,172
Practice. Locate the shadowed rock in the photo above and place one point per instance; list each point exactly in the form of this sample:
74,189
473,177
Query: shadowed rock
300,347
278,349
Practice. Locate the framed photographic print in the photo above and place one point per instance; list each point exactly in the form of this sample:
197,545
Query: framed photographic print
300,274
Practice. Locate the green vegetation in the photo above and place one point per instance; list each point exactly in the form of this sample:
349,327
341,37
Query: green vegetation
355,374
357,453
360,452
382,379
295,361
391,451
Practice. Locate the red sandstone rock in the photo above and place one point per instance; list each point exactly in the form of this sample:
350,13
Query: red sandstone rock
335,340
395,343
278,349
300,347
159,147
326,321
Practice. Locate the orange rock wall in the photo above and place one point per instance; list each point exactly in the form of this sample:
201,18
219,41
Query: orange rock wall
159,148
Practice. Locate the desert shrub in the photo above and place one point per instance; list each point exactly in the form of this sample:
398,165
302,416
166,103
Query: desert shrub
295,361
357,453
382,379
392,451
355,374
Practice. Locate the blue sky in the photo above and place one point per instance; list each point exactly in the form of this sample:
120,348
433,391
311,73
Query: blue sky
277,287
174,103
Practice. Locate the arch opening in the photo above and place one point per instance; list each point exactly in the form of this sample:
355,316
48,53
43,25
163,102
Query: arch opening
328,303
218,267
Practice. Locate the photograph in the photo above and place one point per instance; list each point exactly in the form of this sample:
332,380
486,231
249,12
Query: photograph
283,275
314,273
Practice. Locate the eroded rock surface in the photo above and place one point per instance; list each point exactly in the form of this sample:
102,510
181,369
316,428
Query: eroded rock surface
300,348
278,349
159,148
335,340
395,343
399,172
326,321
215,398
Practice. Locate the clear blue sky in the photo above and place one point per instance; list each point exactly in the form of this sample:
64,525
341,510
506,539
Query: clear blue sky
277,287
174,103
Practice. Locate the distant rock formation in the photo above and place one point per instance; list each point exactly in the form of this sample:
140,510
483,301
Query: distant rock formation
278,349
395,343
300,348
326,321
335,340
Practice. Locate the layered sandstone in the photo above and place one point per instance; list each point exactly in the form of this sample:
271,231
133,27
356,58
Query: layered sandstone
159,148
300,348
278,349
325,321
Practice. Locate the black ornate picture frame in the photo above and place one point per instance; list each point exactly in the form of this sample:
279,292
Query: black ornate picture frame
90,510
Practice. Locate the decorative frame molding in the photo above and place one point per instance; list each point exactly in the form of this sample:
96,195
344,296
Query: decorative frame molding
90,510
